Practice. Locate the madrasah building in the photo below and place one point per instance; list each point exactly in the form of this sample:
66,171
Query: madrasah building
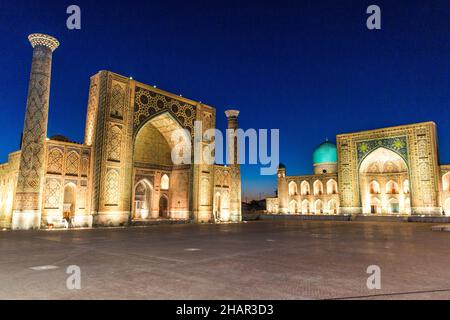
390,171
123,172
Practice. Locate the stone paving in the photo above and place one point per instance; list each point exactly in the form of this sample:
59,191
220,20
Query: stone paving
254,260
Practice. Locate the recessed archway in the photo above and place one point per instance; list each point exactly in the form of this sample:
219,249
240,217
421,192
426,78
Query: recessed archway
143,193
446,182
447,207
318,188
305,188
69,204
375,205
392,187
163,207
318,207
384,167
292,188
332,207
332,187
293,207
154,163
217,206
374,187
306,207
394,206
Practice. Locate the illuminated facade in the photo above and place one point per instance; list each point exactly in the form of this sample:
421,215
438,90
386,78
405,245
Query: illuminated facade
377,172
123,172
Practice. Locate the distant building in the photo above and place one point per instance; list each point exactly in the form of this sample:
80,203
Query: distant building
377,172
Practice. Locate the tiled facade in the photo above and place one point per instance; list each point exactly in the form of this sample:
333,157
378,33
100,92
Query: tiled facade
123,172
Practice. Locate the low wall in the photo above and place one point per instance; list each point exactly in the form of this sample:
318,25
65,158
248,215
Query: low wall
303,217
359,218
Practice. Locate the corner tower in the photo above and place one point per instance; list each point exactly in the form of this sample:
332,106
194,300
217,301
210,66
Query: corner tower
235,168
282,188
27,206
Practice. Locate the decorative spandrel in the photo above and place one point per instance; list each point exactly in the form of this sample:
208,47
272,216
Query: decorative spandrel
396,144
148,104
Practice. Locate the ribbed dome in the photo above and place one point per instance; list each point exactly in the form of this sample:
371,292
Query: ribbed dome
60,137
325,153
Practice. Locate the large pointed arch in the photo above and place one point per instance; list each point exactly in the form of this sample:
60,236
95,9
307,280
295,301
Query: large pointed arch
379,174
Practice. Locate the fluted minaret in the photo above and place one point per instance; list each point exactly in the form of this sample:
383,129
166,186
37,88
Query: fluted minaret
27,205
233,162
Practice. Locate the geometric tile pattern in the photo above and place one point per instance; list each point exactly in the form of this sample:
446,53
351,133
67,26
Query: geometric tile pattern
52,193
112,187
117,101
149,103
72,163
35,129
55,161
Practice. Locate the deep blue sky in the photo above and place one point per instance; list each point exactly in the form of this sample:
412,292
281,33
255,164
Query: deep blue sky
310,68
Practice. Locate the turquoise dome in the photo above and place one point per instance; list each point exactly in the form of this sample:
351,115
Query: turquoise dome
325,153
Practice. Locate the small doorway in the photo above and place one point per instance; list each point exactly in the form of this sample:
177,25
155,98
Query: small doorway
163,207
217,206
375,206
394,207
69,204
142,200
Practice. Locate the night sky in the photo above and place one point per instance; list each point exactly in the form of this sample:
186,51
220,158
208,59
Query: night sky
310,68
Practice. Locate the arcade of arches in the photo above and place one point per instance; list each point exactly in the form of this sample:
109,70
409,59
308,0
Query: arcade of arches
322,200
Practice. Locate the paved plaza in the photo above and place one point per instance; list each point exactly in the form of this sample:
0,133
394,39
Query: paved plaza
255,260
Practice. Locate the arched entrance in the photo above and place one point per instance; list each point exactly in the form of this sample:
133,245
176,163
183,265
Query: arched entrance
318,207
292,188
217,206
332,187
375,205
305,207
447,207
69,202
142,200
332,207
381,174
293,207
163,207
446,182
394,206
305,188
156,168
318,188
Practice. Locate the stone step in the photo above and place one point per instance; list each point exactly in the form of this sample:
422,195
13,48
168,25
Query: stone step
321,217
445,228
155,222
380,218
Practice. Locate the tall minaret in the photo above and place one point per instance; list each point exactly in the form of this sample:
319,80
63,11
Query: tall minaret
27,204
232,159
232,154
